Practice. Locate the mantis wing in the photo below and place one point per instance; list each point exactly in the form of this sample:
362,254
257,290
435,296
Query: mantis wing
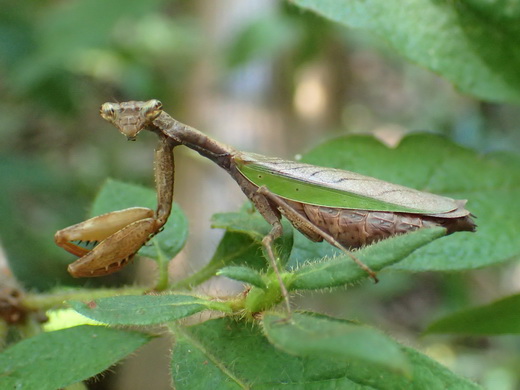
338,188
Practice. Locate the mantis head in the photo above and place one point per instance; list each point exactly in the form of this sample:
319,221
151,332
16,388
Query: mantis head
131,117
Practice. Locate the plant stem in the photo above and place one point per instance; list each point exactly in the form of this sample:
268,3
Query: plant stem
198,277
162,263
58,299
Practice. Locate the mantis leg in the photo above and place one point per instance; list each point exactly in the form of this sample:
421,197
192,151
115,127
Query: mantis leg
164,171
113,238
301,223
119,233
273,217
114,252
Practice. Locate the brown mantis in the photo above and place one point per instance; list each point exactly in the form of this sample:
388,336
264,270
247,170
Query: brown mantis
346,209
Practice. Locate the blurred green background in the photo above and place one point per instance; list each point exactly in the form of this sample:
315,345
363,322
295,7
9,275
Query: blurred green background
263,76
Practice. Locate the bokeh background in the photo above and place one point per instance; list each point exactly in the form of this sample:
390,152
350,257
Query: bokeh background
261,75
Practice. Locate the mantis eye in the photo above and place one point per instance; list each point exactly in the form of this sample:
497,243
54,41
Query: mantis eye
107,111
153,109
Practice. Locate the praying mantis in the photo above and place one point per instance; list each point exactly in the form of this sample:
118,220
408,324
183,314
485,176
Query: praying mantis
343,208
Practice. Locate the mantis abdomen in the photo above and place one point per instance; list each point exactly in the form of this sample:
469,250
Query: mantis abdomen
357,228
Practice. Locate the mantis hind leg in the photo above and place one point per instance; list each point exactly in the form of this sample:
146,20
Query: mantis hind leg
309,229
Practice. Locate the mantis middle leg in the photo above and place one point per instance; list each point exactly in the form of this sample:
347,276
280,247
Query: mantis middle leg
308,228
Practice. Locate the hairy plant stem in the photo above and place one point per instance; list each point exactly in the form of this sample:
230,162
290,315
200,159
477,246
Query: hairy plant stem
58,299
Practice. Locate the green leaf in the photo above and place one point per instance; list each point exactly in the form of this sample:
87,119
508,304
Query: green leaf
246,222
471,43
431,163
504,13
243,274
238,249
260,39
65,33
499,317
57,359
342,270
145,309
241,244
226,354
233,249
116,195
26,244
254,225
333,338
